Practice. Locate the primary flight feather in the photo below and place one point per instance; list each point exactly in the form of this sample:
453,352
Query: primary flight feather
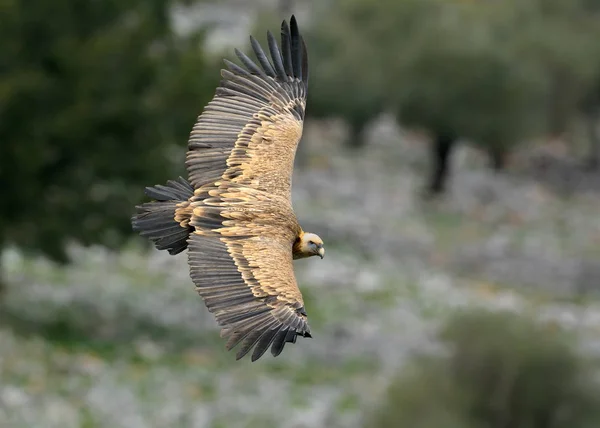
234,213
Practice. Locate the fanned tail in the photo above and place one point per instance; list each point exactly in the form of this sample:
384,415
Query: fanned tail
165,221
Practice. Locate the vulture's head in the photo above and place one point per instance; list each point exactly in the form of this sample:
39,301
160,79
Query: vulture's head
308,244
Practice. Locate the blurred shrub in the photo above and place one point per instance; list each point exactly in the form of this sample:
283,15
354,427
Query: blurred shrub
93,95
503,371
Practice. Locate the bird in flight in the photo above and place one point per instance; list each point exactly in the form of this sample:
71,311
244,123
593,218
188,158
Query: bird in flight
234,212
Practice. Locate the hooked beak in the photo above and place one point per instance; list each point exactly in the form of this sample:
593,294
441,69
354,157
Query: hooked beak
321,252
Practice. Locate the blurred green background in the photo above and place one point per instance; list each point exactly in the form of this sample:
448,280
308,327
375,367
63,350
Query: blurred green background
450,161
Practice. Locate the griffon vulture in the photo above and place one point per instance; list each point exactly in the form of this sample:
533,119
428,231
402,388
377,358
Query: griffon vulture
234,213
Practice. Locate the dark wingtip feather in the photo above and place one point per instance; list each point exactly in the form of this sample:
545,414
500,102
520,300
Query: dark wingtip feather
296,48
288,61
234,68
263,344
276,56
250,65
261,57
279,342
286,48
261,339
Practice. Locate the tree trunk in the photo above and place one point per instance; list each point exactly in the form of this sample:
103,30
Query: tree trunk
592,123
356,138
441,150
497,158
561,101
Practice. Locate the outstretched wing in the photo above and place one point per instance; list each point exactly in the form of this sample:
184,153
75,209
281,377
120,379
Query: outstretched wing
248,283
249,132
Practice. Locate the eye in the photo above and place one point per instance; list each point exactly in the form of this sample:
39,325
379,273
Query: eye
311,243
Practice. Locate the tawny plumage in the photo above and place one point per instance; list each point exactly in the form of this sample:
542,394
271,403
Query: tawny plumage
235,214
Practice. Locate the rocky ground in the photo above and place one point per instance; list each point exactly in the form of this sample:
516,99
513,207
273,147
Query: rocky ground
122,340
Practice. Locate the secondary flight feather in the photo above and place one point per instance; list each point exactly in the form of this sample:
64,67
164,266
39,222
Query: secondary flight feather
234,213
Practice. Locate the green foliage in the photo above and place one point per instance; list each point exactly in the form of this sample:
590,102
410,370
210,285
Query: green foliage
346,79
342,82
93,95
503,370
492,72
560,39
465,79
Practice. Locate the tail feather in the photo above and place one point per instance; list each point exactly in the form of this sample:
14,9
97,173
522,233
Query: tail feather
165,221
175,190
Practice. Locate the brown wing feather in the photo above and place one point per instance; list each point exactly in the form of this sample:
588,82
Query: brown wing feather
240,162
248,283
250,130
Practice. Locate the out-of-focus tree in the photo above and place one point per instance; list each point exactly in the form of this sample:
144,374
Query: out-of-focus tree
486,72
591,101
346,79
462,77
93,97
590,107
501,370
560,38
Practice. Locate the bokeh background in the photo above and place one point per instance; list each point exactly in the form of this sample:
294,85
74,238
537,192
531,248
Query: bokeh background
450,161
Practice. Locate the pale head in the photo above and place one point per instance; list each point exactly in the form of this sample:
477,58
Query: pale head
308,244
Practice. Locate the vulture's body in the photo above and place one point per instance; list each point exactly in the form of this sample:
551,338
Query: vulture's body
234,214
